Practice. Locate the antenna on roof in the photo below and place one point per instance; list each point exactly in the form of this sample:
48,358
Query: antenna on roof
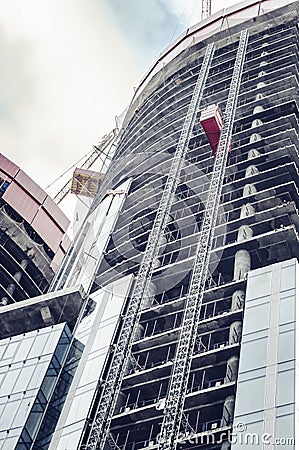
205,9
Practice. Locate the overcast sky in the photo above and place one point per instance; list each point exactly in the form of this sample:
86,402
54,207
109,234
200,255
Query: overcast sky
69,66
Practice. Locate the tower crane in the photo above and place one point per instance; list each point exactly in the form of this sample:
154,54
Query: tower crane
99,149
102,150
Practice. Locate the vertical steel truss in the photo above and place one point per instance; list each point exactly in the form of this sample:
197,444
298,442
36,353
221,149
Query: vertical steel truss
121,353
174,406
98,151
205,9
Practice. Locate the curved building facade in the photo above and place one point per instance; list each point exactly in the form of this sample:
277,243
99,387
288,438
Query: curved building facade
189,324
256,226
256,229
33,235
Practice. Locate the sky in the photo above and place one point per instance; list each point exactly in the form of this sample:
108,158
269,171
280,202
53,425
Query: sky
69,67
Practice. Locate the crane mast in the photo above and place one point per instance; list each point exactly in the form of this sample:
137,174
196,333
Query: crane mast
205,9
174,406
121,355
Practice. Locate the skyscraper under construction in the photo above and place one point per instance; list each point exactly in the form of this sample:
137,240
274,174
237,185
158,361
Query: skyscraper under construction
186,337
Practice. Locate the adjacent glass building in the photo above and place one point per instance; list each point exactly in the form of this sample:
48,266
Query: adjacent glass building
242,379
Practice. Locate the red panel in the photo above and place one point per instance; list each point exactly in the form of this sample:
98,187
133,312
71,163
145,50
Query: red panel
212,123
19,200
212,132
55,212
8,166
47,229
35,191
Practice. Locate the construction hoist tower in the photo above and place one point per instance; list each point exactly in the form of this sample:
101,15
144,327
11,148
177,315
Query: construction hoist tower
179,380
173,412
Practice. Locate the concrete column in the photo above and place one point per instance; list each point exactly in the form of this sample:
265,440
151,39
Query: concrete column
247,210
17,276
251,170
139,332
149,297
244,233
11,288
121,401
257,109
259,96
253,153
156,263
256,123
235,332
255,137
24,264
249,189
262,73
228,410
238,300
261,84
242,264
232,368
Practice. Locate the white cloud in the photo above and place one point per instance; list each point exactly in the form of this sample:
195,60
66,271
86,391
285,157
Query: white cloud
66,75
68,67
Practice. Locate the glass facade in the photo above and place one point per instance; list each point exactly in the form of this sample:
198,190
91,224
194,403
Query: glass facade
45,411
27,366
38,367
265,399
95,332
81,265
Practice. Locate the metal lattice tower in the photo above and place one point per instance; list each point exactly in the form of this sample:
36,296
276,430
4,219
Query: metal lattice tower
205,9
102,149
174,407
121,355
